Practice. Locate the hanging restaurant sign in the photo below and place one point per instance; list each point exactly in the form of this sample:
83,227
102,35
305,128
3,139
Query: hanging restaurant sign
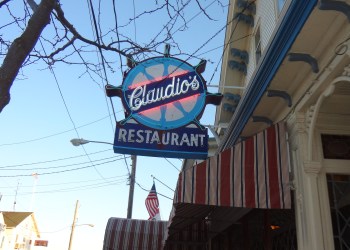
186,142
163,98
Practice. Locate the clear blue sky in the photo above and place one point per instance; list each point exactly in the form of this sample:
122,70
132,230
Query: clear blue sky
36,127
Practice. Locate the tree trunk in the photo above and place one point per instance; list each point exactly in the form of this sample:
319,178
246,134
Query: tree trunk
21,47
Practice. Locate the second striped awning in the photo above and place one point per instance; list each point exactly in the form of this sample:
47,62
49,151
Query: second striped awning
131,234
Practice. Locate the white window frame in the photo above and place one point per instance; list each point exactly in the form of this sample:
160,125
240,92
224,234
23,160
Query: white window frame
329,166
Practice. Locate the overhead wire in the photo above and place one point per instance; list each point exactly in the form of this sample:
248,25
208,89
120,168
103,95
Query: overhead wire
154,178
67,183
174,21
112,104
54,167
204,44
213,36
94,23
174,18
49,161
231,35
75,188
60,171
196,15
165,26
182,26
103,64
112,181
117,33
207,41
135,36
134,8
174,33
177,14
144,189
172,164
221,46
65,105
52,135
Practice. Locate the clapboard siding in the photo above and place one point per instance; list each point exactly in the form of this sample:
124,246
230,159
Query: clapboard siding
266,18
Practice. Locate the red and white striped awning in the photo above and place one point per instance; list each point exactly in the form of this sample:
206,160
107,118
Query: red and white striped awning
219,191
130,234
252,174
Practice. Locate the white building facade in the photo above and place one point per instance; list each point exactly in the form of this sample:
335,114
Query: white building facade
2,231
297,71
19,231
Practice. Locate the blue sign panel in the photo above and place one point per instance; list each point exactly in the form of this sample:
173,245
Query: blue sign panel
136,139
163,93
163,99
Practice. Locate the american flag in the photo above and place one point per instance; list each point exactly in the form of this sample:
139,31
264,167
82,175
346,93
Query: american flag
152,204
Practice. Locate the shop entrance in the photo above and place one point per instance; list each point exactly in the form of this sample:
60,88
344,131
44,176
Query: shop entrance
260,229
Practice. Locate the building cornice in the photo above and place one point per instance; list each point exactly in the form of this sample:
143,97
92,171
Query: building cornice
292,23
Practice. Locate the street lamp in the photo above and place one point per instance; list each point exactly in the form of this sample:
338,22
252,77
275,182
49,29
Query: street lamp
90,225
81,141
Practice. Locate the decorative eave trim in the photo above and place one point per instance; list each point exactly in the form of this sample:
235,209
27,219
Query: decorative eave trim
287,32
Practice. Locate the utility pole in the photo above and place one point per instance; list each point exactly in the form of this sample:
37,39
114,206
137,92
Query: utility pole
73,225
15,201
78,142
132,186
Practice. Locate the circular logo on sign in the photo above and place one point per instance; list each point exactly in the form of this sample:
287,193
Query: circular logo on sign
163,93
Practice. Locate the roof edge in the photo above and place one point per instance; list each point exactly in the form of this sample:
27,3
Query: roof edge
291,25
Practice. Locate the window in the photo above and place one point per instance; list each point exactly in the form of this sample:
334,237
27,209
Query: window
339,200
336,146
280,4
257,40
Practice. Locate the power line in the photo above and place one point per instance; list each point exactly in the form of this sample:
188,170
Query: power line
77,188
154,178
221,46
92,11
48,136
63,166
117,32
66,107
144,189
207,41
133,5
59,172
67,183
200,12
55,134
60,159
172,164
227,44
166,25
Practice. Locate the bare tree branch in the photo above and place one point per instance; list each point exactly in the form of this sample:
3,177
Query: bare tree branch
205,13
60,16
4,2
64,43
21,47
